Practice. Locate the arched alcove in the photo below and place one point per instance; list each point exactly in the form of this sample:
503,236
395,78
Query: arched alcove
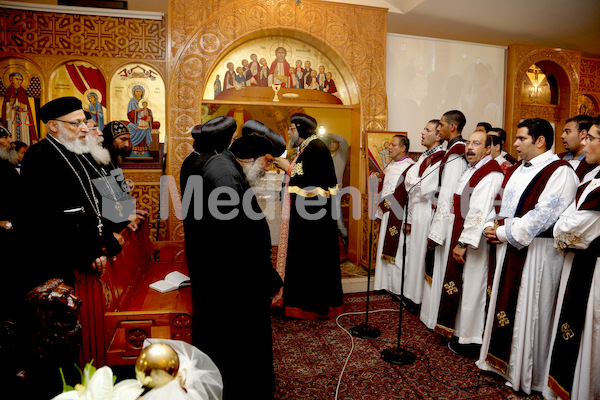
352,37
563,66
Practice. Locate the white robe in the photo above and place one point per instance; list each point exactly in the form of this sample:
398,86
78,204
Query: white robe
387,275
470,317
421,190
577,229
441,232
540,276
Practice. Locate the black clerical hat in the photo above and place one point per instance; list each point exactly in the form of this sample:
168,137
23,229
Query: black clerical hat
253,127
257,140
111,131
58,107
214,135
4,132
305,124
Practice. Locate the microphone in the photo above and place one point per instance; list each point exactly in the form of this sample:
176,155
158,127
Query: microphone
397,355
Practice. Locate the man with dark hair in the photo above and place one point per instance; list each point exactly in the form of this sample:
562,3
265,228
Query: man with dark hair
484,127
117,140
307,213
462,306
496,151
389,250
421,183
575,130
502,134
451,168
516,341
574,368
230,271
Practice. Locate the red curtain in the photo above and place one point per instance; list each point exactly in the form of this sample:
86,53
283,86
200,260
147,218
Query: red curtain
85,78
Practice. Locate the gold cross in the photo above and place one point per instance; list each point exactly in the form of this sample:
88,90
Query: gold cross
502,320
393,231
451,287
566,330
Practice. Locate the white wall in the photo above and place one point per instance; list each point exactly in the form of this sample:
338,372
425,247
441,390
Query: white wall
426,77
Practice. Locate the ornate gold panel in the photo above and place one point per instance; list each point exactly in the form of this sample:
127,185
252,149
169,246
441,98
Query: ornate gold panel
200,36
85,35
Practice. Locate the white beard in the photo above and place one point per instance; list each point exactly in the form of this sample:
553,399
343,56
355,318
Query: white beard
98,153
8,155
254,172
76,146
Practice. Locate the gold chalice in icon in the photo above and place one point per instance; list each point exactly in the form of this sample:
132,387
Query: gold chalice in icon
276,87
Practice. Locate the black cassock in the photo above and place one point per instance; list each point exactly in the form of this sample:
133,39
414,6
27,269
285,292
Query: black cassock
313,287
191,167
232,282
57,221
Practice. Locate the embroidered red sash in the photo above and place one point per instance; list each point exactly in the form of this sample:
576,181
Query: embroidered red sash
284,230
453,280
510,279
572,315
394,224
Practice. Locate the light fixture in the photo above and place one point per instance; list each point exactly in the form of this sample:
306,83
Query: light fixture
321,130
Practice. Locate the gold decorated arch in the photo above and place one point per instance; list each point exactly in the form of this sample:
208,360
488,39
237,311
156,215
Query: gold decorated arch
202,34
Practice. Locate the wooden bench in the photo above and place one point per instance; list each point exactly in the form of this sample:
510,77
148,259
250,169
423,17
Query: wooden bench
119,309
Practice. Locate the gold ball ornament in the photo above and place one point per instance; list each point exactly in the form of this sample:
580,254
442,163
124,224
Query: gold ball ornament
156,365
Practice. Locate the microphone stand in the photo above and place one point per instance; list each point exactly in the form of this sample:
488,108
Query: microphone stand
367,331
398,355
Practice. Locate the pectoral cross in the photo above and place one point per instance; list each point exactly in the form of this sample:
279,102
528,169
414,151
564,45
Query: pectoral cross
100,226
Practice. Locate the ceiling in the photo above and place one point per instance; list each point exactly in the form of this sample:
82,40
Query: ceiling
567,24
572,25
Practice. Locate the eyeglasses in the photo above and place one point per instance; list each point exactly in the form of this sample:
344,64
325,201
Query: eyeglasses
74,124
590,138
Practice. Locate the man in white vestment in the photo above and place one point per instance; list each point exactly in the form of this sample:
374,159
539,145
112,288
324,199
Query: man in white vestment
523,294
496,149
574,363
421,185
502,134
463,298
387,267
451,168
575,130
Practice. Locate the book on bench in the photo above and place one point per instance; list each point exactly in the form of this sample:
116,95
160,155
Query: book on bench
173,280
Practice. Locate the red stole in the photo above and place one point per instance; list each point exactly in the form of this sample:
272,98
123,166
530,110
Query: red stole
583,168
572,315
432,159
284,230
459,148
394,224
512,269
453,280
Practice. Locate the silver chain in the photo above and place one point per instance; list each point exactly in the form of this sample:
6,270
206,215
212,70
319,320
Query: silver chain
94,204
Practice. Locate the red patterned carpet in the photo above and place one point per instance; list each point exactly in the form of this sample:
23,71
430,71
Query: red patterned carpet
310,355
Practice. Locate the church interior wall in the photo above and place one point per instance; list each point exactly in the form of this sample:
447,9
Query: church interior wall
178,48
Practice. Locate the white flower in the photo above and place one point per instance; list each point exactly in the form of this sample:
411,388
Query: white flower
100,387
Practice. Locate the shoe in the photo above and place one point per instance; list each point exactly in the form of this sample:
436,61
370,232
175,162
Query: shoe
465,350
453,347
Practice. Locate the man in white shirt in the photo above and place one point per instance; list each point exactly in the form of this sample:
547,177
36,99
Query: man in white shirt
463,298
387,266
516,339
